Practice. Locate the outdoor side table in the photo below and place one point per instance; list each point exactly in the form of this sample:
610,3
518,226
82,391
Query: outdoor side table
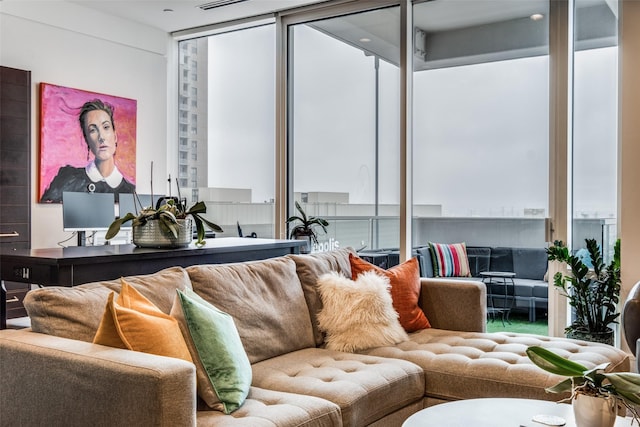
500,293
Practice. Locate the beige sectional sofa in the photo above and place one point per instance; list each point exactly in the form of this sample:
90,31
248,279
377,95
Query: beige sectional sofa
53,375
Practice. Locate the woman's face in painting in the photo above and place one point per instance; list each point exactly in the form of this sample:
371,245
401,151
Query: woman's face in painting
100,135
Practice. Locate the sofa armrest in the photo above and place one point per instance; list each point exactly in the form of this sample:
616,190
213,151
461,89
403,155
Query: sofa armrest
48,378
456,305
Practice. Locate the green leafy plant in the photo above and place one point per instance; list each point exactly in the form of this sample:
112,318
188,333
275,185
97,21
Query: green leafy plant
594,294
624,387
307,224
167,216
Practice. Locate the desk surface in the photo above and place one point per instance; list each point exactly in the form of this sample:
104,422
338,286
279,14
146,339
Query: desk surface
76,265
93,254
81,264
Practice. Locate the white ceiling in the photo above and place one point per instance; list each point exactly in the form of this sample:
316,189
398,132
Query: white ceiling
186,14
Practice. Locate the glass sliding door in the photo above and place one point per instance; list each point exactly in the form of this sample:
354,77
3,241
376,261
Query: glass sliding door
227,128
343,126
595,122
481,122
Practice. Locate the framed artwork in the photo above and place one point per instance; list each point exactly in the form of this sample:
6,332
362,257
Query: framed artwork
87,142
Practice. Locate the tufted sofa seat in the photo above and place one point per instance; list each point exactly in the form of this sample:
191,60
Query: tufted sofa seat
468,365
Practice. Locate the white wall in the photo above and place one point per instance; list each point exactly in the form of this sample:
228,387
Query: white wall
69,45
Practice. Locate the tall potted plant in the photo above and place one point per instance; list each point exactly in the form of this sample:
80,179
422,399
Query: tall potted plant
305,229
595,393
593,294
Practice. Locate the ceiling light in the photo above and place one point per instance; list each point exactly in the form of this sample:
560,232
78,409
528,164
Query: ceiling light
536,16
365,40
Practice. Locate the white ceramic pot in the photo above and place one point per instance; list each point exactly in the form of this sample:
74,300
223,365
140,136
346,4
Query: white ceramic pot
151,235
594,411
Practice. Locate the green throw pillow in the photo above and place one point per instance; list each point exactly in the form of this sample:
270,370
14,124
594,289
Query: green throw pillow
222,366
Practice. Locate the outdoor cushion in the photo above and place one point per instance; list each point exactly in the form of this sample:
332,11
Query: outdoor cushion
449,260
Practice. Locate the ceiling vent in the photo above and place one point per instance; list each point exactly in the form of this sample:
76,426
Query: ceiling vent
219,3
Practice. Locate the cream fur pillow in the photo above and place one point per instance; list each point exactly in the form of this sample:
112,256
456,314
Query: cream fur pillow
358,314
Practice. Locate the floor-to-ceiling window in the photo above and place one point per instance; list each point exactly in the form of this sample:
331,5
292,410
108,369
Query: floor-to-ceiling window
480,122
344,125
595,123
226,127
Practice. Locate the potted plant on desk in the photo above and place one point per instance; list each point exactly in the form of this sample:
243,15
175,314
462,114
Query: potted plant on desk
305,230
169,225
593,294
595,394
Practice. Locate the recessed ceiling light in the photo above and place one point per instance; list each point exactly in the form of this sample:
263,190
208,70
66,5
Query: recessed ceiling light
536,16
365,40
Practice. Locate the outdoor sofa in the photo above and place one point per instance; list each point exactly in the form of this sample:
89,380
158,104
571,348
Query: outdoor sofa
529,265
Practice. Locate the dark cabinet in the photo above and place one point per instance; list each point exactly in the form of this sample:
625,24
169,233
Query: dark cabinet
15,174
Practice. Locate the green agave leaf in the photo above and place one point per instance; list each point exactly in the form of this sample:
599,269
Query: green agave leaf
553,363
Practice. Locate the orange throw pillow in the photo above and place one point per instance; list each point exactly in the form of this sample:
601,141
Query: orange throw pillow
405,290
133,322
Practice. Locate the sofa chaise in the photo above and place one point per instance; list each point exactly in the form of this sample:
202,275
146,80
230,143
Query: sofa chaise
52,374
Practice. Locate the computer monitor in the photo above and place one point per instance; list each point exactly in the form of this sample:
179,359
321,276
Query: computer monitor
87,212
128,204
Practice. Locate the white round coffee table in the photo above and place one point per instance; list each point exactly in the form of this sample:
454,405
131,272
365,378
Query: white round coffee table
494,412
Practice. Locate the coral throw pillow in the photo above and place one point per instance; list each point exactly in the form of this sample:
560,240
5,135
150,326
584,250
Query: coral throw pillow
405,290
133,322
450,260
359,314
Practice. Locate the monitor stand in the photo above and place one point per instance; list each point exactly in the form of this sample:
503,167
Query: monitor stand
82,238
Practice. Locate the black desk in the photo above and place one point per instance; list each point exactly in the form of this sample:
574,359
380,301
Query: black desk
82,264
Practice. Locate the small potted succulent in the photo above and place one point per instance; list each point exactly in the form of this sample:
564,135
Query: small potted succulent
167,225
305,229
595,393
592,293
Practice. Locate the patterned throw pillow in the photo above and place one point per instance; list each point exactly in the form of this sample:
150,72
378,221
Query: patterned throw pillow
405,290
449,260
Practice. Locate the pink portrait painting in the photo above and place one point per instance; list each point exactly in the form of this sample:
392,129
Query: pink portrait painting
100,158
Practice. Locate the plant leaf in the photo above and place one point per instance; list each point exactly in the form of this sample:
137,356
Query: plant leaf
114,228
551,362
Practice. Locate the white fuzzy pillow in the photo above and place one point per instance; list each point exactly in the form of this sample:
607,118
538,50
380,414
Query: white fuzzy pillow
358,315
